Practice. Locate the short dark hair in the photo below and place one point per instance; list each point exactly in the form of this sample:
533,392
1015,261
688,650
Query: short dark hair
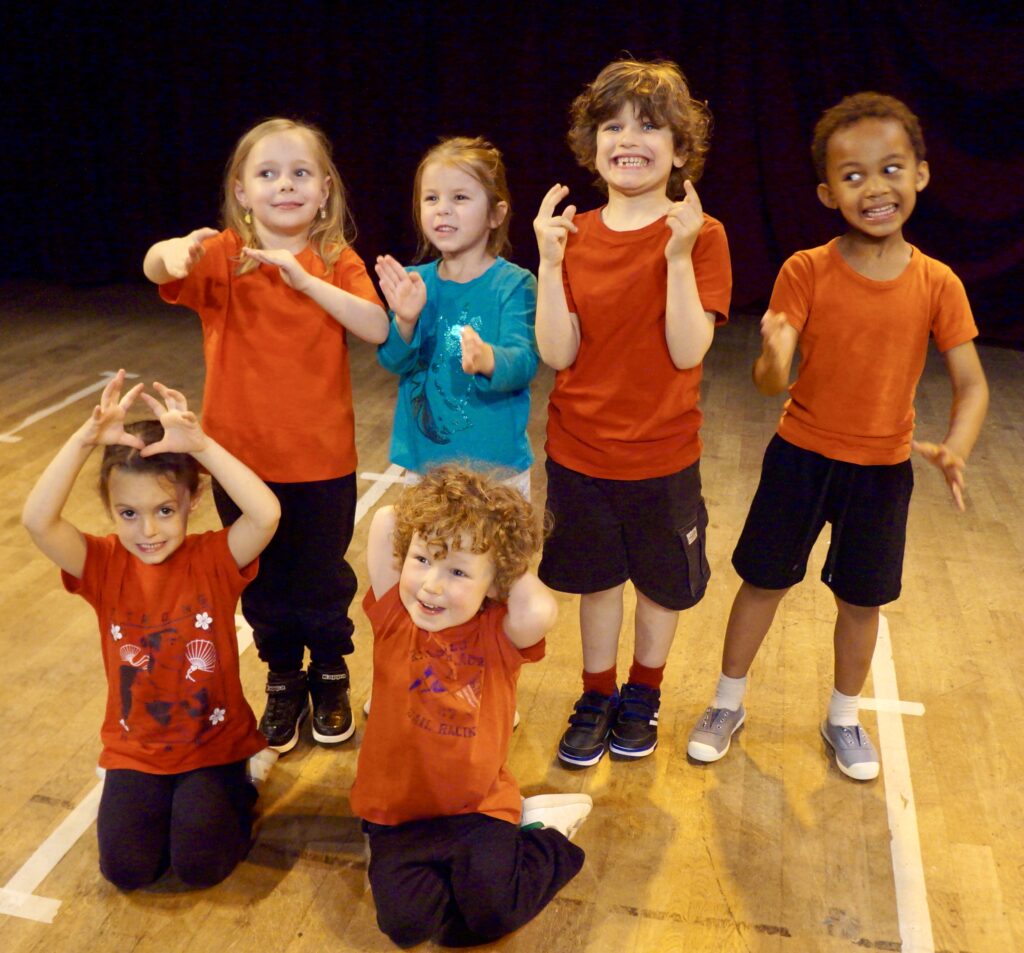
180,469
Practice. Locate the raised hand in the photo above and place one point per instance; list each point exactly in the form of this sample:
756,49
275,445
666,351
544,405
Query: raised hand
951,465
181,254
182,433
685,219
477,354
293,274
553,230
105,426
404,291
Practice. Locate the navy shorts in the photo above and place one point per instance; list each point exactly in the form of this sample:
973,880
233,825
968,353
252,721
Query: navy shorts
607,531
799,492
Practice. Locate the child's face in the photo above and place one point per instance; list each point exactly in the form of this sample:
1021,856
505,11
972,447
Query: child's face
150,514
440,592
633,155
873,176
455,212
283,185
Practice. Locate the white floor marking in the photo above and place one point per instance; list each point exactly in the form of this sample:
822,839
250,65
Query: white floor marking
394,474
16,897
10,437
893,707
907,866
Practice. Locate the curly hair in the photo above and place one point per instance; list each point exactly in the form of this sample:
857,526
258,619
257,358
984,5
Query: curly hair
478,158
453,503
329,235
853,109
659,92
179,469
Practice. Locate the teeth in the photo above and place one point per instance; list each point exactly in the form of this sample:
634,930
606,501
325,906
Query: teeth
634,162
879,212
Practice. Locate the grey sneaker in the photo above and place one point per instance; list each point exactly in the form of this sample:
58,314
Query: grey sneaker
855,754
711,737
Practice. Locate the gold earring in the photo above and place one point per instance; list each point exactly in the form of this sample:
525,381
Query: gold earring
247,217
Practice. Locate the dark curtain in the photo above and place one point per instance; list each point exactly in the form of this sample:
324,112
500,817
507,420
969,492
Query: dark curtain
118,119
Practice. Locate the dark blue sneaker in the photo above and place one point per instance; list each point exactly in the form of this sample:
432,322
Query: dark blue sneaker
589,725
635,734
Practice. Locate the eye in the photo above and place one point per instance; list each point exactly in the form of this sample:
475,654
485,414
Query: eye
126,514
459,573
612,126
461,197
853,177
429,199
265,174
649,126
893,169
167,511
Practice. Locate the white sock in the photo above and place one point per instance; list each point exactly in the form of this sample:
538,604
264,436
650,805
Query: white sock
729,693
842,709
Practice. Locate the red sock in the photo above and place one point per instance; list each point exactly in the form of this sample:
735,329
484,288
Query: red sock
648,677
603,682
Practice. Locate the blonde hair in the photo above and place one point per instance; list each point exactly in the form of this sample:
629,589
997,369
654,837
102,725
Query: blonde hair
659,92
451,501
329,235
478,158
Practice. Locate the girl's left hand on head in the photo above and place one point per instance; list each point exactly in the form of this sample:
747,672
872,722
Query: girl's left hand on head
685,220
182,432
951,465
477,354
293,274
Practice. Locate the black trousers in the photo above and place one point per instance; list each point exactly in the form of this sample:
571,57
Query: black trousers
198,823
466,879
302,593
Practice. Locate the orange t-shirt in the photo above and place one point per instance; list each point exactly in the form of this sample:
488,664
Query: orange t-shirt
278,392
863,345
167,632
439,730
623,410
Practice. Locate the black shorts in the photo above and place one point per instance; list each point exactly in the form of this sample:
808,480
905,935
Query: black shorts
799,492
607,531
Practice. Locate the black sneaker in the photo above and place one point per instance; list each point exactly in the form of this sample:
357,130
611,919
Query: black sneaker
332,710
635,734
589,724
287,708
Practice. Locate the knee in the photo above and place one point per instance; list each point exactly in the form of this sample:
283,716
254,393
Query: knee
126,870
202,866
405,929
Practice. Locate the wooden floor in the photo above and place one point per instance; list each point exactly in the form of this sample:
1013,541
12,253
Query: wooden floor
771,849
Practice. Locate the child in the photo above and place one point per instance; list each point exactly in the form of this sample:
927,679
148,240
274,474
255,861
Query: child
462,330
277,291
861,309
628,298
454,853
177,730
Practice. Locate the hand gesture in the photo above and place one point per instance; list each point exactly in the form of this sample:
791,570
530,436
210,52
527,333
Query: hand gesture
293,274
685,219
477,354
404,291
773,325
105,426
951,465
553,230
182,433
181,254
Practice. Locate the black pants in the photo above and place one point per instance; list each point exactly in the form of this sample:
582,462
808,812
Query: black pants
466,879
302,593
198,823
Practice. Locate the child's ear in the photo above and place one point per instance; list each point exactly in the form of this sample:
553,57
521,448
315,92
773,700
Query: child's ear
240,194
498,214
923,175
326,190
679,159
825,196
492,592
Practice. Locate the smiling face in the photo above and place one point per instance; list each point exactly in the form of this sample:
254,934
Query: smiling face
635,156
443,591
283,185
150,513
873,176
455,212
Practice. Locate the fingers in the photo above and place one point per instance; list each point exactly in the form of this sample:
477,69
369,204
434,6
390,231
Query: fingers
692,198
552,197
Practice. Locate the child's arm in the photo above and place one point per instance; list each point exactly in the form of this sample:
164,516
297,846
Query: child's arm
363,318
380,551
970,404
55,536
558,329
689,329
250,533
778,345
404,292
532,611
174,258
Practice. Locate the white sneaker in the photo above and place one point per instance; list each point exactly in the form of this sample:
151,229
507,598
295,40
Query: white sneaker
259,766
563,812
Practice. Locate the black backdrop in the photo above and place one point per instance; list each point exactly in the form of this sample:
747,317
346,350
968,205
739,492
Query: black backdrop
118,119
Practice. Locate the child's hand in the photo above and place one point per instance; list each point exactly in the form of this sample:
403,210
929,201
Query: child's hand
293,274
951,465
182,433
105,426
685,219
181,254
477,354
553,230
404,291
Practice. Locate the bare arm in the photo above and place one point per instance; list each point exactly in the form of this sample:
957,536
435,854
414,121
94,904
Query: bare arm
778,345
380,551
970,404
557,328
173,258
689,329
532,611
